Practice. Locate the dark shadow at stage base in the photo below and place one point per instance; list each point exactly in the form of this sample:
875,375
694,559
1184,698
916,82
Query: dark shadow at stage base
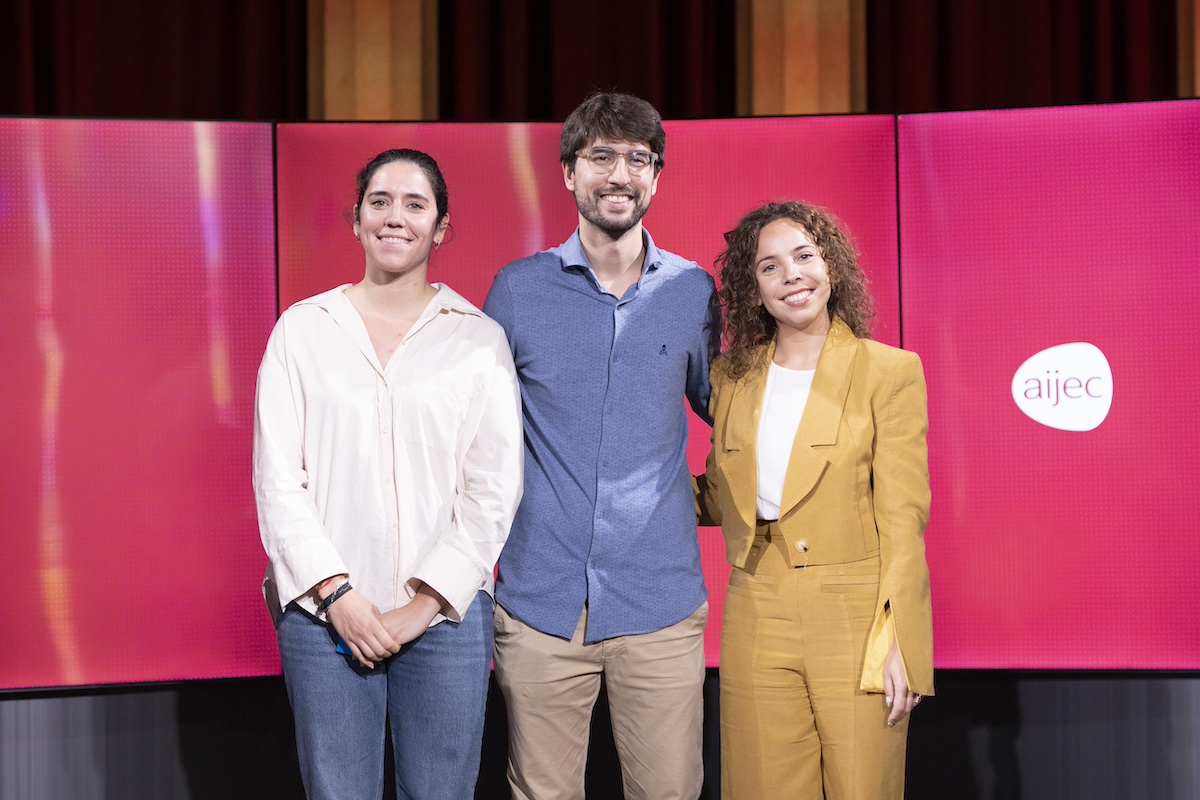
962,743
236,739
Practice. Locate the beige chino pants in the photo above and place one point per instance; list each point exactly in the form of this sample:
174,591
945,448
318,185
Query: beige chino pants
655,694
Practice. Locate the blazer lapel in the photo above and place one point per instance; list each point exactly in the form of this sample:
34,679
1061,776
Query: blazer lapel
822,415
741,439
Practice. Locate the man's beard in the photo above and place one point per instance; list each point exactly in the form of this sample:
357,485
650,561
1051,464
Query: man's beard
615,228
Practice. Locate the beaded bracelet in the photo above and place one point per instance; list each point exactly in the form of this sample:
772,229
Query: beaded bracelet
332,598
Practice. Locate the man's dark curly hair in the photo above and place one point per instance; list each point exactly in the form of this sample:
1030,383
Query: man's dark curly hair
747,322
612,115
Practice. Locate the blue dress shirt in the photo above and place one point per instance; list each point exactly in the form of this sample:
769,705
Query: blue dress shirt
608,517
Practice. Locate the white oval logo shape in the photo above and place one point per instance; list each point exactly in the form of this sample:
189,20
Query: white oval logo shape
1068,387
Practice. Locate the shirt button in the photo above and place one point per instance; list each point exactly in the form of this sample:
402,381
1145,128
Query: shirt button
802,546
384,429
599,515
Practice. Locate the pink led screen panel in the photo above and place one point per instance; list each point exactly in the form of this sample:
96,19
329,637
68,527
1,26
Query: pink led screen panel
138,268
507,200
1051,276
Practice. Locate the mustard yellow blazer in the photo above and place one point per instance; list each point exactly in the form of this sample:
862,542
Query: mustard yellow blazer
857,483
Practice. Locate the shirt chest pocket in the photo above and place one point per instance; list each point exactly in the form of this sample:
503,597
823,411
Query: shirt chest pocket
435,412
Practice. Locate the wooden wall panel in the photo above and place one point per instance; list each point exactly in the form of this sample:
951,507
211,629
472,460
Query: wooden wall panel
1187,20
372,60
801,57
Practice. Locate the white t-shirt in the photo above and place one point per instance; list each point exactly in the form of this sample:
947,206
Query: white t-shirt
783,404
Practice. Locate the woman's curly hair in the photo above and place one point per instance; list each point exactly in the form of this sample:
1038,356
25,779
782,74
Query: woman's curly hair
747,322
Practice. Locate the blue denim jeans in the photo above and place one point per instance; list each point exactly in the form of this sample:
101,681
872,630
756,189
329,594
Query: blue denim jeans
433,693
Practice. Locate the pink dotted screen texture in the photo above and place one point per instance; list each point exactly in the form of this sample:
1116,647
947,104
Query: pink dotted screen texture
1022,230
507,200
141,268
137,261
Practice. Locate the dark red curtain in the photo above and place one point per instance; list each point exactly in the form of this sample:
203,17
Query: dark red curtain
538,59
218,59
944,55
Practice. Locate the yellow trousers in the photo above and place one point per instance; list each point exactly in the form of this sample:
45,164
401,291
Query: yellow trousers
794,724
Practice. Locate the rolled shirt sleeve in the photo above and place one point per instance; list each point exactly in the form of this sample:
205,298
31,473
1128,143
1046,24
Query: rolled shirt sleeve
300,552
491,486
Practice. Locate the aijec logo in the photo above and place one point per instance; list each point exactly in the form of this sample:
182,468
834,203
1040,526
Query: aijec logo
1068,387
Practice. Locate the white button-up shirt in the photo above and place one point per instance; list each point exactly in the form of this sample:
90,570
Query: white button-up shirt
396,474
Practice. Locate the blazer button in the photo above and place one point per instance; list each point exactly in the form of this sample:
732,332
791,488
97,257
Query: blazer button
802,546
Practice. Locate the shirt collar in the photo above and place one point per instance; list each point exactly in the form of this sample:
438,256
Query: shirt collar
445,298
572,254
451,300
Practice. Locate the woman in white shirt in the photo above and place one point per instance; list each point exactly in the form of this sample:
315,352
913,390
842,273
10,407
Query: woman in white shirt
818,478
387,469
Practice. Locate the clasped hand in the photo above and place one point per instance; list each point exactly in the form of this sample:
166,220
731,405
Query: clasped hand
372,636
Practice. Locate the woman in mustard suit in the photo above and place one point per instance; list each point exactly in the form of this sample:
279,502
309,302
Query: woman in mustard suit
818,477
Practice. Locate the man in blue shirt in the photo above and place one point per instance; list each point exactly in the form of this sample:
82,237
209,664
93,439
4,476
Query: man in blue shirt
601,573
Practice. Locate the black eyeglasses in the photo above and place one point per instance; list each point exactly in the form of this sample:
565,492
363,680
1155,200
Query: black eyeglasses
604,159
